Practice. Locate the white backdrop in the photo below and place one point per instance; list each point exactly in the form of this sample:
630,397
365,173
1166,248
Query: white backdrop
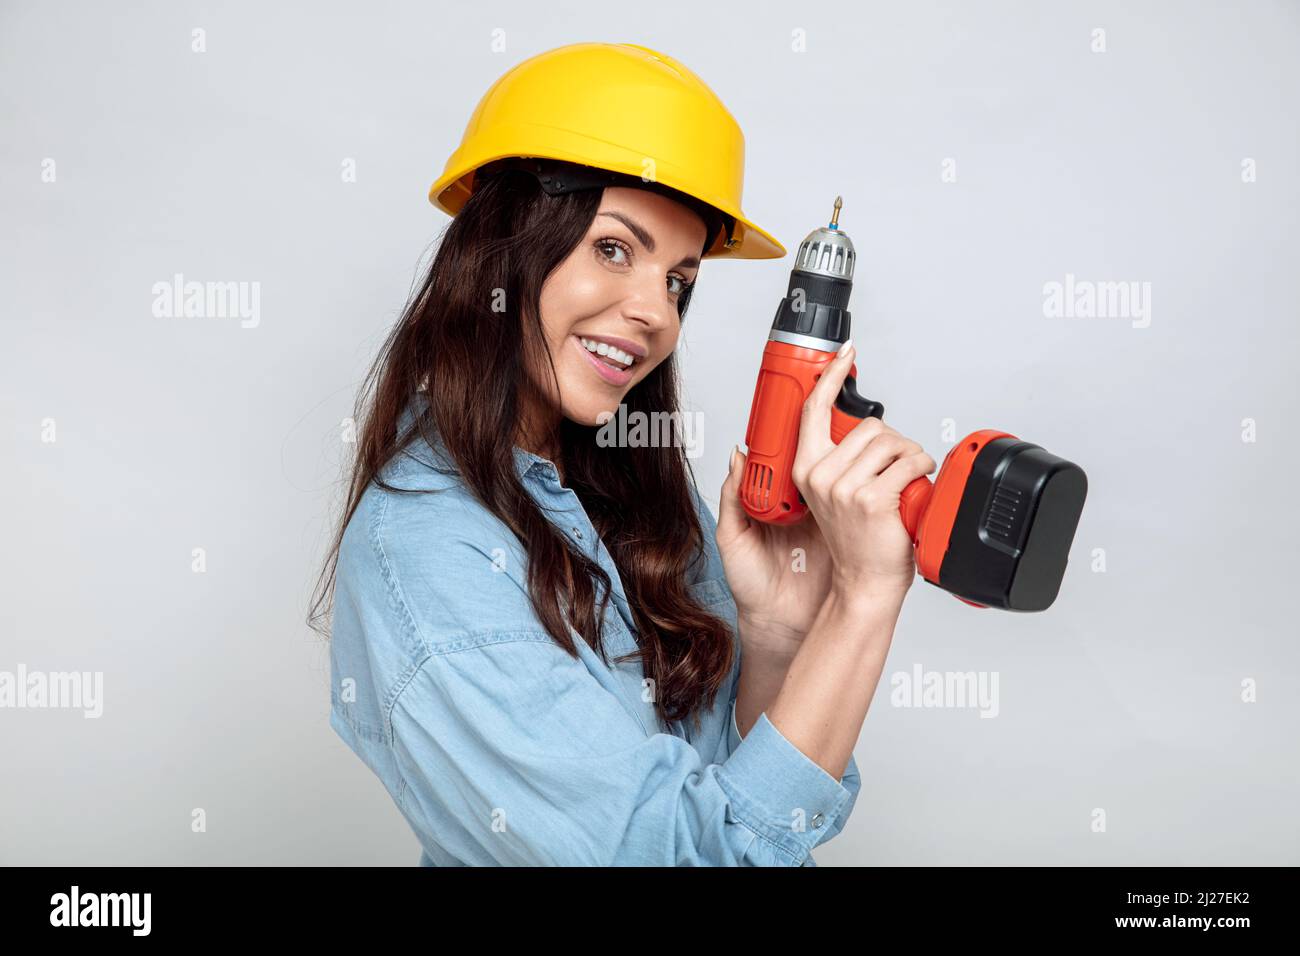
983,151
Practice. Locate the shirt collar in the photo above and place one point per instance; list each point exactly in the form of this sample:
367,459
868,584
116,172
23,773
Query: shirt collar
526,462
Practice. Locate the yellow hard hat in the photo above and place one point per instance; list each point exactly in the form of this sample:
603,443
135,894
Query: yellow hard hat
618,107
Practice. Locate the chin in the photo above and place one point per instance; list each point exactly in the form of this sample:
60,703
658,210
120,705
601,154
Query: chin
592,412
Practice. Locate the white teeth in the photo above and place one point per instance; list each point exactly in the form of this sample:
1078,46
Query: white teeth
608,351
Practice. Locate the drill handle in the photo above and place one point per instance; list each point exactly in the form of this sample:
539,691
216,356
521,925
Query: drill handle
849,411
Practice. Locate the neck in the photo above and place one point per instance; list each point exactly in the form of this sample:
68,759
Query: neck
541,438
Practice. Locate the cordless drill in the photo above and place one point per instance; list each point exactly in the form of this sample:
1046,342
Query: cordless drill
995,526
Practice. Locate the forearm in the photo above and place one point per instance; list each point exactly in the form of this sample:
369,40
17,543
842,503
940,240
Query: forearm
762,673
819,698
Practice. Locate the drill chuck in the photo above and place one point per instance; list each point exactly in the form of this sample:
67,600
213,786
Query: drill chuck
815,310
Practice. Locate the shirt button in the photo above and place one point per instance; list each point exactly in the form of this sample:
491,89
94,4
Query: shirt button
817,821
578,533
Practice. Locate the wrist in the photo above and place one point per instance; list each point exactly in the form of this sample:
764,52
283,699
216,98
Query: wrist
760,636
874,599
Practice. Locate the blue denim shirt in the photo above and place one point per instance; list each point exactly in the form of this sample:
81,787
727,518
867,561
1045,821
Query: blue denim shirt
501,749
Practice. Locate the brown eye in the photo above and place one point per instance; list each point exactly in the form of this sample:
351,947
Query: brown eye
614,244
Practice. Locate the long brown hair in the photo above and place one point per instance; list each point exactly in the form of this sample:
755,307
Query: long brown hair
509,236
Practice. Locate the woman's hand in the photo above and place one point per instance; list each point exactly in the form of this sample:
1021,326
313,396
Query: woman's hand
853,539
853,490
779,575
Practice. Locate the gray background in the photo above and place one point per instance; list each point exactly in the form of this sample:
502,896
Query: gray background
183,433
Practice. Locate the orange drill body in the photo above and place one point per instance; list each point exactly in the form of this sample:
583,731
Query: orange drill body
995,526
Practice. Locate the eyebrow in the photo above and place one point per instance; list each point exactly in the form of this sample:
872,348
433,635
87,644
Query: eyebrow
648,240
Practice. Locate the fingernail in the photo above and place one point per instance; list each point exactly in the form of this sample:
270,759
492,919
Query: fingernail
844,349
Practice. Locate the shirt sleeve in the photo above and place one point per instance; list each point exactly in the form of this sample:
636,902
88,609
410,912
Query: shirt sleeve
535,763
712,569
851,781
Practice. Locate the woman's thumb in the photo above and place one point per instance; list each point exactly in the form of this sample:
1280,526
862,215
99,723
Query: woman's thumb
732,519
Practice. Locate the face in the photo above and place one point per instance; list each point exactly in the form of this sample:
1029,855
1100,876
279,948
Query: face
617,293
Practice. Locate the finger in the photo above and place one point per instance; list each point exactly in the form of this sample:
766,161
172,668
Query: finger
876,458
851,446
904,470
732,518
815,420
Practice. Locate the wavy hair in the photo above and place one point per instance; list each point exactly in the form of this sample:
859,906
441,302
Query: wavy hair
472,362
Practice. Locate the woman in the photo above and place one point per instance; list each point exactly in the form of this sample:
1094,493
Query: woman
546,648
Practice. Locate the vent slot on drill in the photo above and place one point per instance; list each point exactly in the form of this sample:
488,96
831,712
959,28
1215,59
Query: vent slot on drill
758,486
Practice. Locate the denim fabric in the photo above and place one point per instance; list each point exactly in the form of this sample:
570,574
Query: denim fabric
501,749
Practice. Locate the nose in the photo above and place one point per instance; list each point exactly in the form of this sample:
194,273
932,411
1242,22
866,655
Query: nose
650,305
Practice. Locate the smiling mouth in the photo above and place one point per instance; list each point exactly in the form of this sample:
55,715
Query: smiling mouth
611,356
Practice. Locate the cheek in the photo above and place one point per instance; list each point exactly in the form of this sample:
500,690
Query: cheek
574,293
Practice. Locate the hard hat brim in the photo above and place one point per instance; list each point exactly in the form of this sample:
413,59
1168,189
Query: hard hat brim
750,241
